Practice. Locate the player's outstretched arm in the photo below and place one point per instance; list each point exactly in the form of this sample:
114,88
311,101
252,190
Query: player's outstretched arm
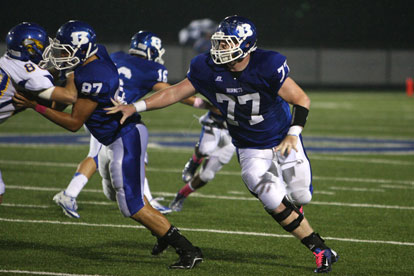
126,109
67,94
81,111
161,99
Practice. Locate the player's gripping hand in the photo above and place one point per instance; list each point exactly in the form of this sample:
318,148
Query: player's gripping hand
287,145
22,101
127,110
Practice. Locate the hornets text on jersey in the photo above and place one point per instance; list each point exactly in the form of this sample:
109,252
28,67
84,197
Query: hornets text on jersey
257,116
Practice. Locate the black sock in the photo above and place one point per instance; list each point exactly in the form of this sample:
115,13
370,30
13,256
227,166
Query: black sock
314,241
174,238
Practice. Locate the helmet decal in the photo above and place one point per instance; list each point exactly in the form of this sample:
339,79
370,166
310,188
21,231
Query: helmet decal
147,45
79,38
244,30
26,41
234,39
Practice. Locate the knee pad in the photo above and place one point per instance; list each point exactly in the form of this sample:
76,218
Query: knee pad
270,191
108,190
225,153
208,143
300,197
210,167
280,217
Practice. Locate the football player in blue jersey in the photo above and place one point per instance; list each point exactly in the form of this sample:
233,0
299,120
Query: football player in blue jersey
121,158
251,87
19,70
141,71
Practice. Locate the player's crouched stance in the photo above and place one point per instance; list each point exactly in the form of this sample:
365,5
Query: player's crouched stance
121,158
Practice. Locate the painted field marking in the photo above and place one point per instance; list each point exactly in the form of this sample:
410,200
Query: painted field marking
44,273
216,231
223,172
199,195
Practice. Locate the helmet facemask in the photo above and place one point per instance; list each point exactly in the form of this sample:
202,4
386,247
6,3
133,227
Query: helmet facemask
66,56
159,59
233,40
227,48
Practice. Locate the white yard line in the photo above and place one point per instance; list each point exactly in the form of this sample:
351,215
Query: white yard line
356,189
44,273
199,195
362,160
223,172
217,231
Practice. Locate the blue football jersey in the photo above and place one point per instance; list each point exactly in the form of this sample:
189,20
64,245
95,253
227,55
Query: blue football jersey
257,117
99,81
137,76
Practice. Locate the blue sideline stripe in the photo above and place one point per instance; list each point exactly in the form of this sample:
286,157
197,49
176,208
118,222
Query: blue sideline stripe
340,144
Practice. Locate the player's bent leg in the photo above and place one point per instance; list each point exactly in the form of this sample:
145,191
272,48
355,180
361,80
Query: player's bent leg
207,144
176,204
84,172
107,187
108,190
67,203
67,198
262,177
293,221
208,171
298,178
189,255
152,219
191,167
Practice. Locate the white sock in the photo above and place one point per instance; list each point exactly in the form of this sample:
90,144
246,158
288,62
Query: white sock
147,192
76,185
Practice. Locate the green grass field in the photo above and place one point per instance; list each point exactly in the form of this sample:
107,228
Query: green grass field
363,201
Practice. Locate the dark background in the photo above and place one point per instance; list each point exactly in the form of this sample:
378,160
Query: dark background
382,24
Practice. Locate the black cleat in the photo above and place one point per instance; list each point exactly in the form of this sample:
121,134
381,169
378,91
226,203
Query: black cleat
189,170
188,259
324,260
159,247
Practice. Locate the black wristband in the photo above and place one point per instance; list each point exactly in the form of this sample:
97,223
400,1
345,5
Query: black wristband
299,115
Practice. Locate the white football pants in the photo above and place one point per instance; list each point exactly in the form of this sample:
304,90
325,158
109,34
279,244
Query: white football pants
270,176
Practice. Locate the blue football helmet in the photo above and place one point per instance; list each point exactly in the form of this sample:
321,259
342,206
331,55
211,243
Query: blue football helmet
75,42
234,39
148,45
26,41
